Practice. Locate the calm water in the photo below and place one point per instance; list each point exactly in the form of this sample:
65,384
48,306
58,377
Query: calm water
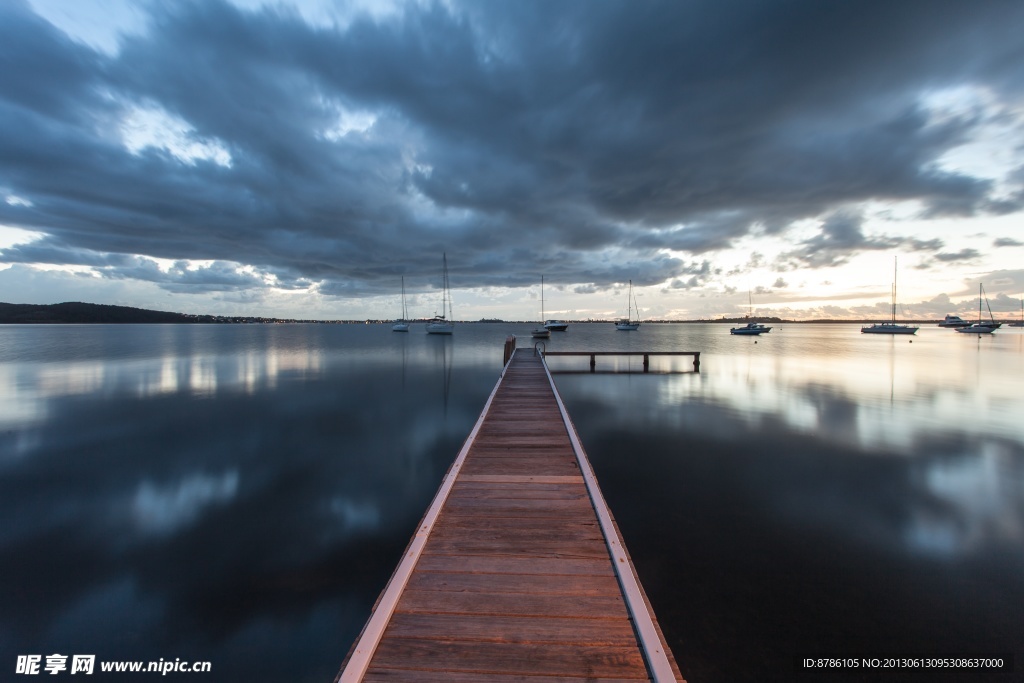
241,494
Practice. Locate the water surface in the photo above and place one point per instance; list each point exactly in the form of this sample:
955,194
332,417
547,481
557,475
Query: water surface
240,494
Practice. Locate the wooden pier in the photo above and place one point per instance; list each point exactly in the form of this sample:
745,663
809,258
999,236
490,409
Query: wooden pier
646,356
517,571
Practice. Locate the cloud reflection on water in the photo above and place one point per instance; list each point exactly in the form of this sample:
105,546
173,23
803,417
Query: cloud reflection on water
206,529
814,422
252,517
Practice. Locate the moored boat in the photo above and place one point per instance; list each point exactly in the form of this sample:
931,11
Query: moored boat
541,331
628,324
891,327
753,327
980,327
402,324
750,329
954,321
440,324
1019,323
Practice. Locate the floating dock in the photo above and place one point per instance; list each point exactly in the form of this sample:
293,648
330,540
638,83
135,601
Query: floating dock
517,571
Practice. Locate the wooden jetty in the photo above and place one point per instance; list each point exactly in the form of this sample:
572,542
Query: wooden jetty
517,571
646,355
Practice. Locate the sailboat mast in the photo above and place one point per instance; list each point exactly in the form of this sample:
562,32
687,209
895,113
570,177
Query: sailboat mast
446,295
629,302
542,299
894,269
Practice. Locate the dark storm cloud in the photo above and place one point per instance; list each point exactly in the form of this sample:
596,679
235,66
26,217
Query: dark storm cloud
577,139
840,238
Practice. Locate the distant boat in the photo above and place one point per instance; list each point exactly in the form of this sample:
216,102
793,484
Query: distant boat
991,319
891,327
541,332
1019,323
954,321
752,328
628,324
556,325
402,324
979,327
440,324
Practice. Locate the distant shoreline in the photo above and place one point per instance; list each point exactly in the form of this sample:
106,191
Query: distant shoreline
78,313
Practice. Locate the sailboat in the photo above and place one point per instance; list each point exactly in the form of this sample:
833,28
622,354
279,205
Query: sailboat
1019,323
541,332
402,324
628,324
440,324
991,319
752,327
891,327
979,327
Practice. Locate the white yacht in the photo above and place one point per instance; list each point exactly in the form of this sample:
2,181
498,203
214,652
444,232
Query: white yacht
954,321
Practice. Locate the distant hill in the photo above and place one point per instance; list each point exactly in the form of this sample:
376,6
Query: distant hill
77,312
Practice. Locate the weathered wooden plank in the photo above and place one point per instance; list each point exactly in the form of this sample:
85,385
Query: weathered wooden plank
514,583
508,629
496,658
520,479
521,489
568,536
511,465
539,451
513,604
504,564
533,548
507,493
506,505
476,523
381,675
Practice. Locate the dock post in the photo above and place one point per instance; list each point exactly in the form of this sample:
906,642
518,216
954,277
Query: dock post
593,362
510,346
696,362
647,362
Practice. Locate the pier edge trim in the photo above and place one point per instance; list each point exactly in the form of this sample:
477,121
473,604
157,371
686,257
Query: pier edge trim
651,643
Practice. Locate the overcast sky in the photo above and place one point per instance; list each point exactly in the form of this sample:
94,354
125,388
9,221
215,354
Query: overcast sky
298,158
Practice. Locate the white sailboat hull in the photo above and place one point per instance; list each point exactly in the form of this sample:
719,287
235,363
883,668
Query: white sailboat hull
750,329
440,327
889,328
